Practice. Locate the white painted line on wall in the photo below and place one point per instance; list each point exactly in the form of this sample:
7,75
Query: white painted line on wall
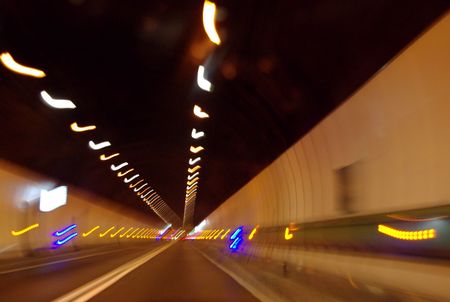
92,288
253,290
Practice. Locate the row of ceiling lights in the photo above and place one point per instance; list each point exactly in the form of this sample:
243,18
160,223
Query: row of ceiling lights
139,186
209,13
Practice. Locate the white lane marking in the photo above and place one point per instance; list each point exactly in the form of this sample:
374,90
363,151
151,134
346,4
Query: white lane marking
56,262
253,290
92,288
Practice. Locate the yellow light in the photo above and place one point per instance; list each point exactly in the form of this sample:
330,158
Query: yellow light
287,235
120,174
128,236
27,229
138,233
74,126
407,235
252,234
122,235
114,235
215,237
196,149
90,231
134,185
199,112
104,157
107,231
209,15
193,169
223,236
192,181
8,62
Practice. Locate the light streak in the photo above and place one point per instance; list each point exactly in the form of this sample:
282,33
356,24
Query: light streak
107,231
287,235
120,174
128,236
90,231
191,192
103,157
209,15
23,231
137,234
190,198
140,193
115,168
144,196
196,149
121,236
235,244
65,240
127,180
135,184
114,235
99,146
218,234
138,189
191,186
194,161
57,103
407,235
65,230
236,233
192,181
197,135
203,83
252,234
165,229
199,112
192,170
414,219
8,62
190,177
76,128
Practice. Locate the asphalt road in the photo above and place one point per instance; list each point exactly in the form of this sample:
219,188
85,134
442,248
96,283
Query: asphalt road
137,273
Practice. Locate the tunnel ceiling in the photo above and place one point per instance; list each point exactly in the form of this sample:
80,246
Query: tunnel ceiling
131,69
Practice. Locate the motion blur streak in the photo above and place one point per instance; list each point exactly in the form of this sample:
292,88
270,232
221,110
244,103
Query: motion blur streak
117,232
57,103
135,184
287,235
115,168
75,128
23,231
218,234
122,235
190,177
129,235
92,230
104,157
203,83
8,62
107,231
414,219
194,161
192,181
209,15
407,235
65,230
199,112
65,240
252,234
192,170
197,134
196,149
99,146
128,180
120,174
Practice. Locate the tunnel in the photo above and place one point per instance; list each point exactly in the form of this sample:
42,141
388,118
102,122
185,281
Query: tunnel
224,150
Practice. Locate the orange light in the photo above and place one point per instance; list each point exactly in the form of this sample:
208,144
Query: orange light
9,63
209,15
407,235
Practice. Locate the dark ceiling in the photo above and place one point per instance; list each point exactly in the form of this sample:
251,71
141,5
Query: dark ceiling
130,66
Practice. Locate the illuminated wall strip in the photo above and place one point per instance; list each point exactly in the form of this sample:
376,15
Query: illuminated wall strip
107,231
209,16
90,231
407,235
99,146
9,62
57,103
104,157
75,128
25,230
65,230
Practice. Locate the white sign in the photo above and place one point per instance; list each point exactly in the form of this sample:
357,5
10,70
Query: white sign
53,199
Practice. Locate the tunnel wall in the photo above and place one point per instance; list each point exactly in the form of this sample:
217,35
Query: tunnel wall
19,193
388,145
385,150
